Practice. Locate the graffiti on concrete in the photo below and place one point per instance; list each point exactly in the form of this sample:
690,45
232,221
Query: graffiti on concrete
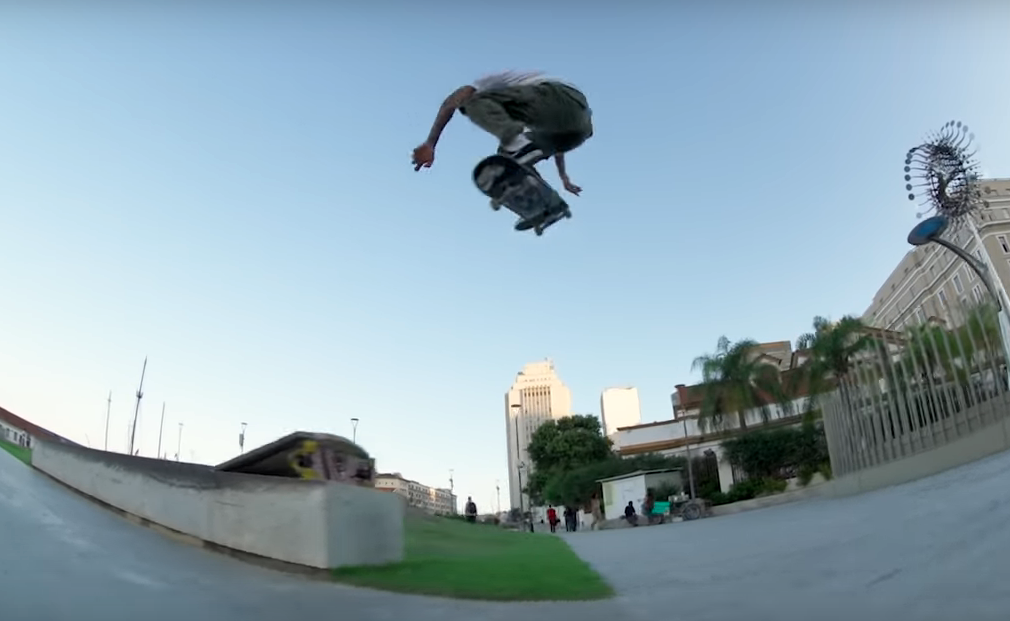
316,460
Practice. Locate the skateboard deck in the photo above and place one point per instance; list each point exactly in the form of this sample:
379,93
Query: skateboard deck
510,184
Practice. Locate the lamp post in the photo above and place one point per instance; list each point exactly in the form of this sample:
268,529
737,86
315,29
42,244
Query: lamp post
178,448
690,467
241,439
452,495
354,430
522,466
948,181
108,411
515,408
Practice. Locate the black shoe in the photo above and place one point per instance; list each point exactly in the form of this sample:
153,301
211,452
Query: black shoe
527,155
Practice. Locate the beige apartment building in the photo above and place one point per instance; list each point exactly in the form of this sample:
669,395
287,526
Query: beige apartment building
431,499
930,282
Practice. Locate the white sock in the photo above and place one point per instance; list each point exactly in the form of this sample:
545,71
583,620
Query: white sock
517,143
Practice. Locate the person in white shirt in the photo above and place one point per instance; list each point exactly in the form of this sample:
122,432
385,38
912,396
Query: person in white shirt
534,117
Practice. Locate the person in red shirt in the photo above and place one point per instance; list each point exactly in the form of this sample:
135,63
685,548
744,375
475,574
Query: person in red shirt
552,517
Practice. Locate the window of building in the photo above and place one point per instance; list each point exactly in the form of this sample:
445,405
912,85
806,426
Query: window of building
1003,243
976,292
957,284
940,295
1006,214
971,273
920,315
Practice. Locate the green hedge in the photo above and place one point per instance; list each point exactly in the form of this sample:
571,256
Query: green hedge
769,455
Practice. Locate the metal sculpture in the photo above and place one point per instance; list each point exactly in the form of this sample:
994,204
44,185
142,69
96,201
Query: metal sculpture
946,174
944,171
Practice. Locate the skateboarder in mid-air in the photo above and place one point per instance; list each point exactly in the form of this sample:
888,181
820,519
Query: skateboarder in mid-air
534,117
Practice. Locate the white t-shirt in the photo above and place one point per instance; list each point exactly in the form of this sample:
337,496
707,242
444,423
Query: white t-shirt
504,79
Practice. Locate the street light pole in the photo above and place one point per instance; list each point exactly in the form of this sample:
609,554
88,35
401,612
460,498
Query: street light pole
241,439
452,494
515,409
354,430
108,412
690,468
178,449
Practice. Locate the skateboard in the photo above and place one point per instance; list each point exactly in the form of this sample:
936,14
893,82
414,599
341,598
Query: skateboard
524,192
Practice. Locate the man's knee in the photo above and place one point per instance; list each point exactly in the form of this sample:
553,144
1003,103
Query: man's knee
561,141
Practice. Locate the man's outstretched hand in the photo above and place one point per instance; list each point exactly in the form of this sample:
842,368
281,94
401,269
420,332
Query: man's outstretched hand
571,187
424,156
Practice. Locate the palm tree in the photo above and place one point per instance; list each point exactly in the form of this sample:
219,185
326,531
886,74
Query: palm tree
980,331
735,379
832,347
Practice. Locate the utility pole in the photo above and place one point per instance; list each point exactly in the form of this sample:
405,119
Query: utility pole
108,411
241,440
161,429
136,410
497,495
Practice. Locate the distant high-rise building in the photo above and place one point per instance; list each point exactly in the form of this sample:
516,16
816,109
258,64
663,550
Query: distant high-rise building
540,396
620,407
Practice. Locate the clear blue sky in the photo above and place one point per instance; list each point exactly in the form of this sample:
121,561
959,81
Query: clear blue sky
229,192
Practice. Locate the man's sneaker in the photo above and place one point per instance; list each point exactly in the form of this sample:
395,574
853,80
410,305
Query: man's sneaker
522,150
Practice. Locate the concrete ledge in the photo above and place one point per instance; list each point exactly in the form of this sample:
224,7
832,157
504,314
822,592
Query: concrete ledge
181,537
313,524
821,490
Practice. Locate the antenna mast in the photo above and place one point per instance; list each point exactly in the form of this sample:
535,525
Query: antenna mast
136,410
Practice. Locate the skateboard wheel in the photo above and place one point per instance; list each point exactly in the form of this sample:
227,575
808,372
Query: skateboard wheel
539,230
568,213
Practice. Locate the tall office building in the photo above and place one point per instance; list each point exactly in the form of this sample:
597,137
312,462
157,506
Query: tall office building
539,396
620,407
930,282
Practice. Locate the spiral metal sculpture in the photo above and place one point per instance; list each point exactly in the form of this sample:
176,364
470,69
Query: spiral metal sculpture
944,172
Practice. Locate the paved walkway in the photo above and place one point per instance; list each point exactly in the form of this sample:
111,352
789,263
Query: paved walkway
935,549
67,559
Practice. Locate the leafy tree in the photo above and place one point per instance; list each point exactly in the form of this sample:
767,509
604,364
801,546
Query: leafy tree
832,348
736,380
575,487
563,445
571,454
568,442
770,453
980,333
